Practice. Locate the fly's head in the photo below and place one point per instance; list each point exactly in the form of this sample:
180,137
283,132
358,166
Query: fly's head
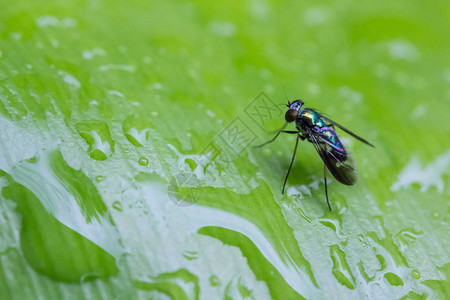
292,112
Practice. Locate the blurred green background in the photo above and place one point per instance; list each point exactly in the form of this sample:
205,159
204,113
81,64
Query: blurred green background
118,179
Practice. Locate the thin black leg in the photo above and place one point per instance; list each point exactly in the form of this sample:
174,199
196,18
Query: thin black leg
326,189
292,162
274,138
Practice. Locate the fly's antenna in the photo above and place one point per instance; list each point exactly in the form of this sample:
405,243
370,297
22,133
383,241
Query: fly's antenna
278,104
289,102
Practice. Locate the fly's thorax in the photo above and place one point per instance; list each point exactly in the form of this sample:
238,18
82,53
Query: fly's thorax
310,118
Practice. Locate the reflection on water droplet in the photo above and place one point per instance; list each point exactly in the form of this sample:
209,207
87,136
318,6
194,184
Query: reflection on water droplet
393,279
117,206
414,296
143,161
332,219
303,215
88,277
331,224
192,164
137,130
407,236
237,289
382,261
415,274
214,280
190,255
98,137
267,152
393,265
341,269
436,215
178,285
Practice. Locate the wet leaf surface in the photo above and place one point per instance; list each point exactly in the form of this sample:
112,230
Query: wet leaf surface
127,162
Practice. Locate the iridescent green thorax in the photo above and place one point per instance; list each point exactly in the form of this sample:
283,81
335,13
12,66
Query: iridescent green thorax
309,117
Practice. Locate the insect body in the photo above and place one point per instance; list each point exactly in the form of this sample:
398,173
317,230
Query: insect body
320,131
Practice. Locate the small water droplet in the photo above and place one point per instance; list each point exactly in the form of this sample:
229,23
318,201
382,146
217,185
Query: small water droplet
192,164
267,152
117,206
214,280
143,161
415,274
436,215
99,178
190,255
303,215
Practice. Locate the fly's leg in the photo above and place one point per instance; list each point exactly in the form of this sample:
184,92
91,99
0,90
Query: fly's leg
274,138
326,189
292,162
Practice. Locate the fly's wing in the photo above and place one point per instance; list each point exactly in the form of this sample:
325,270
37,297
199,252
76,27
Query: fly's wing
348,131
344,171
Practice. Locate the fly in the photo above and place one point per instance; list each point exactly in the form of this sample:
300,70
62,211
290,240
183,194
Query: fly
320,131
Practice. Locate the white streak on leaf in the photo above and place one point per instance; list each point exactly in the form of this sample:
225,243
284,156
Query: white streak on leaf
427,176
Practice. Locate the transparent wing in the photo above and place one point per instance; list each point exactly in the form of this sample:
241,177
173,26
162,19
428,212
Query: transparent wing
344,170
348,131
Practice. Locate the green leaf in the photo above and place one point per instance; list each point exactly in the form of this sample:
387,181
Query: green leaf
127,166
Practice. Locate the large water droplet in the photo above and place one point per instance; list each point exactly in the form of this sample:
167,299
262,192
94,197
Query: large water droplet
143,161
98,137
393,279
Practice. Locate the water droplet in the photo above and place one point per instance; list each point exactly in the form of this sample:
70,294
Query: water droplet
393,279
98,137
180,284
143,161
99,178
332,220
214,280
341,269
192,164
117,206
407,236
436,215
415,274
190,255
303,215
238,288
267,152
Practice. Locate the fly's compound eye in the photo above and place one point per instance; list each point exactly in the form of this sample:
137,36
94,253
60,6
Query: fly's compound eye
291,115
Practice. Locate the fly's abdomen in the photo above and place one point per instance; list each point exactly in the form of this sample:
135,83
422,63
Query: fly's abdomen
335,146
